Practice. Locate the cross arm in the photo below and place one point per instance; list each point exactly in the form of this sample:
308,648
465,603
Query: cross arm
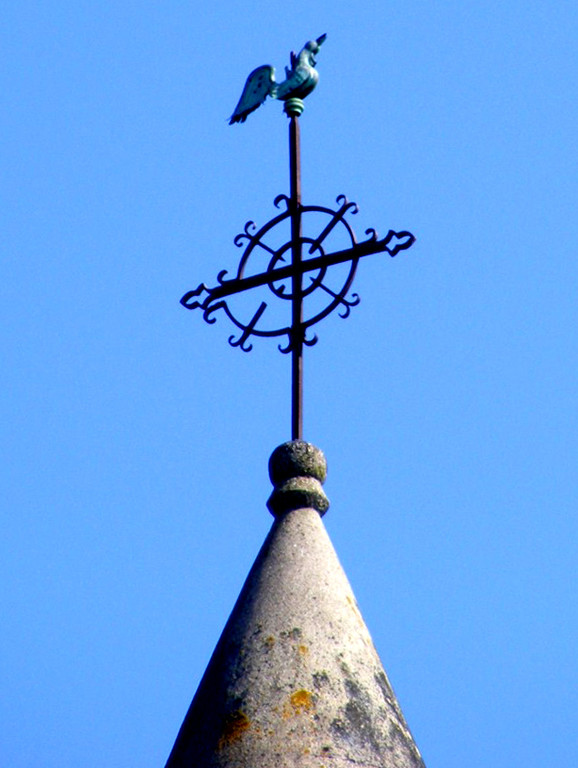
392,243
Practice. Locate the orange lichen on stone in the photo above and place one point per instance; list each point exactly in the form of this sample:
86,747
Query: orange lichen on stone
236,723
356,611
269,641
301,700
303,650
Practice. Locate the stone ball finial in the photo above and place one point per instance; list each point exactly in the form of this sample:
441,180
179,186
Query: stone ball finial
297,469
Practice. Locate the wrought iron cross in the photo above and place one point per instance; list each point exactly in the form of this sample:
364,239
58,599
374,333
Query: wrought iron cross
309,256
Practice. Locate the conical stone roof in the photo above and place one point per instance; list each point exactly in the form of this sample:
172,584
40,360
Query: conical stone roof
295,680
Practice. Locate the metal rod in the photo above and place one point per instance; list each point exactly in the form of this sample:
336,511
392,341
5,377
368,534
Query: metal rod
296,282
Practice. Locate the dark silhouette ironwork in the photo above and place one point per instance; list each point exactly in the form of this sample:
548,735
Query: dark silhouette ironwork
309,257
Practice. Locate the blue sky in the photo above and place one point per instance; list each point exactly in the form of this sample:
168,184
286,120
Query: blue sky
136,440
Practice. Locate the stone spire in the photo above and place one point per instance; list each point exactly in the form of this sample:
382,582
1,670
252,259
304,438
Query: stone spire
295,680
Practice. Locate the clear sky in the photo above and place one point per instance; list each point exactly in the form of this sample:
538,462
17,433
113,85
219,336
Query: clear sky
136,439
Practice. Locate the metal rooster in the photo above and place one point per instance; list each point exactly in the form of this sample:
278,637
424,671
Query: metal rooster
301,79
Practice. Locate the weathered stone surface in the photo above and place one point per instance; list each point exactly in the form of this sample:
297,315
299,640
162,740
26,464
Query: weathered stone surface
295,459
295,681
297,469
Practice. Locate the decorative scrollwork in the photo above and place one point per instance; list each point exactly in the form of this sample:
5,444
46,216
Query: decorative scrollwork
371,235
250,227
347,303
186,300
282,199
352,207
284,277
406,240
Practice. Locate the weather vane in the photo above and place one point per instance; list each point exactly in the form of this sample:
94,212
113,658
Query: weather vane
295,267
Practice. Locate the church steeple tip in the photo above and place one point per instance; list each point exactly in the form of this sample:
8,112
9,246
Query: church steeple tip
295,681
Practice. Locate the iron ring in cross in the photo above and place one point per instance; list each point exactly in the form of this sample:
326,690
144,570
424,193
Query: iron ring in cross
326,240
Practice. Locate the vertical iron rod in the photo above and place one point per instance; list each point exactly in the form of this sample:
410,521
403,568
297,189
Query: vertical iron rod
296,282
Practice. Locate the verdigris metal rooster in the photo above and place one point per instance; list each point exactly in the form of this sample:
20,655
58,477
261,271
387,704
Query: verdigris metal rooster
301,79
